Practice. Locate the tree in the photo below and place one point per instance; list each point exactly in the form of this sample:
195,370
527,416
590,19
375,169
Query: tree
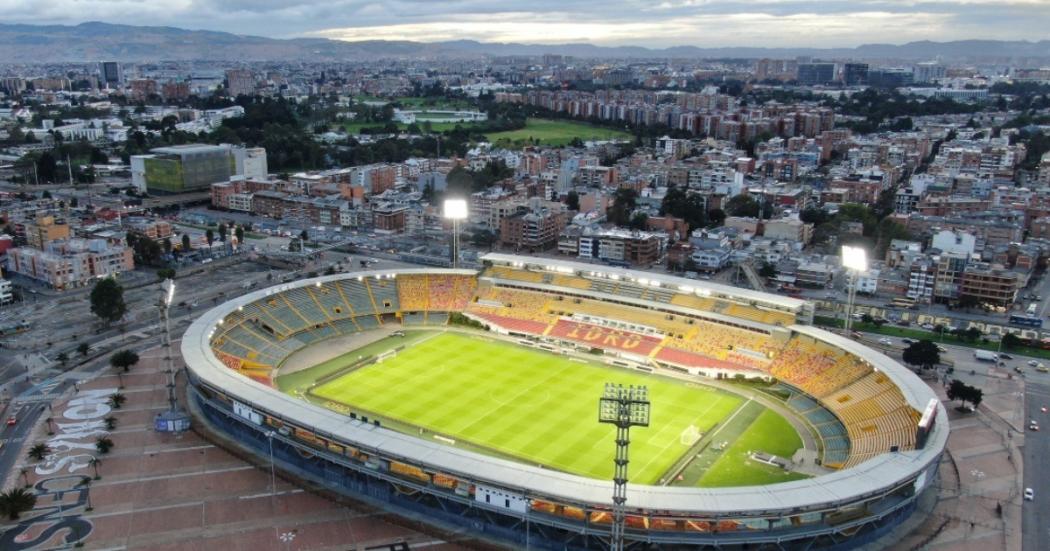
16,501
743,205
813,215
767,270
62,358
83,348
124,359
972,334
304,236
923,353
1010,340
239,234
185,242
107,300
103,445
623,204
679,202
117,399
39,451
46,167
638,221
166,273
957,390
166,244
111,422
572,201
209,236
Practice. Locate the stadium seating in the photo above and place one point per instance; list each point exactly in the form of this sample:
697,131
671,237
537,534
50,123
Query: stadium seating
412,292
571,282
515,303
503,272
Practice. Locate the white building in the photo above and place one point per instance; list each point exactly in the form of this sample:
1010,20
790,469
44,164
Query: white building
7,294
962,243
250,162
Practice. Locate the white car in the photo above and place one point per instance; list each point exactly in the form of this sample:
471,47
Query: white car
885,341
1033,363
1029,494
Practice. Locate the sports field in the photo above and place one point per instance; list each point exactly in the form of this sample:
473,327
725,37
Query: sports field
554,133
526,404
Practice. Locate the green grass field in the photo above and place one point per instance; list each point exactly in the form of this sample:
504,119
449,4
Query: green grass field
769,433
355,127
535,406
554,133
541,408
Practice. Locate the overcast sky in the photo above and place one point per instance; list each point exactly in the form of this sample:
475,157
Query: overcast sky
656,23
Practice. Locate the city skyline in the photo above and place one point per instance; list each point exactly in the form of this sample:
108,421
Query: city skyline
765,23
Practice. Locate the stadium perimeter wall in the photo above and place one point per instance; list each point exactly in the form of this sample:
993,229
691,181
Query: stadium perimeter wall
839,510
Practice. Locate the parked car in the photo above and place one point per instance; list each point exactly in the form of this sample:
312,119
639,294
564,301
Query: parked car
1029,494
1033,363
11,421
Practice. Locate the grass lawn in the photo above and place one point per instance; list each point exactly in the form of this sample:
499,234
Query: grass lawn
355,127
554,133
302,379
769,433
531,405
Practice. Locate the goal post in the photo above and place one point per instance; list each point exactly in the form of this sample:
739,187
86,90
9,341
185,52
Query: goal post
691,435
386,356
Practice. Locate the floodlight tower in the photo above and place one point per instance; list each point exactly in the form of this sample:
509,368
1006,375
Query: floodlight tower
624,407
855,260
455,210
173,420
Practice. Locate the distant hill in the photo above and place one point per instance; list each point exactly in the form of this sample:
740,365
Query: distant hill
95,41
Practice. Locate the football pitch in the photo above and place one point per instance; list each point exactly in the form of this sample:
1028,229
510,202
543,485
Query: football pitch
531,405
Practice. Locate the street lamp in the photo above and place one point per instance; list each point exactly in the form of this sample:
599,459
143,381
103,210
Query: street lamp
624,407
273,476
855,261
455,210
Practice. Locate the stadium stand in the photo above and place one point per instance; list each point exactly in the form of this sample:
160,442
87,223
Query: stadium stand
520,275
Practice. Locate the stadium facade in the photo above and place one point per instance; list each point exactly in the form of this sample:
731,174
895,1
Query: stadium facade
882,430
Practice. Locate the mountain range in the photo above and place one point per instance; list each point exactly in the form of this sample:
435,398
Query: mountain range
94,41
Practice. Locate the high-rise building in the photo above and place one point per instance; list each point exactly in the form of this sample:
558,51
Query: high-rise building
110,73
240,82
816,73
890,78
854,74
182,168
928,71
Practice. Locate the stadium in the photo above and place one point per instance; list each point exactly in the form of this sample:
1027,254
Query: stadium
468,398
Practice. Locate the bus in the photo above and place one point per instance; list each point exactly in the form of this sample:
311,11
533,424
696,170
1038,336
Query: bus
1026,321
905,303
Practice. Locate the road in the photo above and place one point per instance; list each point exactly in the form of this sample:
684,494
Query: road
1035,523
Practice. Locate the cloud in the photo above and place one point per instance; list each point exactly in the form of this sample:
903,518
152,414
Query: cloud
658,23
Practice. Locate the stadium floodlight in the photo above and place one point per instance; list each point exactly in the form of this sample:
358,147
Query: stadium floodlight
624,407
456,209
855,260
173,420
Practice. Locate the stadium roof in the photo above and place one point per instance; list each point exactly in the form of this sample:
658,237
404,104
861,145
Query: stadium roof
664,280
870,478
